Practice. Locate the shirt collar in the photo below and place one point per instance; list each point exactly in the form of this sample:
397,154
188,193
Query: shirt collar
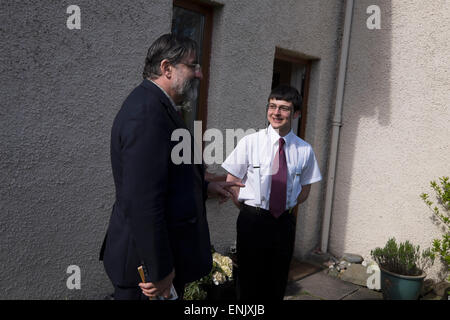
274,136
170,99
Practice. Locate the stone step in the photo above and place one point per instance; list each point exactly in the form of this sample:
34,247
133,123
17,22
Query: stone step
301,269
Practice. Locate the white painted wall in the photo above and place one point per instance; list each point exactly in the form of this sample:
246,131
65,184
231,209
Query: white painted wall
395,135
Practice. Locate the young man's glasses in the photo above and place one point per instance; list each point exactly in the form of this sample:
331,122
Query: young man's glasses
274,107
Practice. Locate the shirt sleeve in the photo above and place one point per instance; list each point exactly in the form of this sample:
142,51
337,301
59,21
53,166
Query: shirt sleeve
311,172
237,162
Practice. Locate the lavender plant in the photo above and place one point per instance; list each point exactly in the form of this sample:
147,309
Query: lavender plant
403,258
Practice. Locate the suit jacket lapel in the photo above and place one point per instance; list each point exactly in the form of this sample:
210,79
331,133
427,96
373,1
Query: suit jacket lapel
174,116
180,123
176,119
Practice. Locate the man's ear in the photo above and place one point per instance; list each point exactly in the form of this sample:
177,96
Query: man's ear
166,68
297,114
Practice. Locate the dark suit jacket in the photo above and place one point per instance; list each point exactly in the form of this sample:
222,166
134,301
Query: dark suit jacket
159,216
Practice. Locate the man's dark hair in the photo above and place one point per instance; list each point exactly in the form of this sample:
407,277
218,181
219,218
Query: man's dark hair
168,46
287,93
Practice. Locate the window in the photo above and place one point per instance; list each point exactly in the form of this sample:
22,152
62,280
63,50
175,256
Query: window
194,20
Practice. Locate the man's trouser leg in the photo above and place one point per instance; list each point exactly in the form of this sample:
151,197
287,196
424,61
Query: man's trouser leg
264,251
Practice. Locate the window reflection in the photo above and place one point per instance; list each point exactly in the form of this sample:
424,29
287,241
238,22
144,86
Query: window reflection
189,24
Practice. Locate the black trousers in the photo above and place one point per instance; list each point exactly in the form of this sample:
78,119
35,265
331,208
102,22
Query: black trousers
264,251
135,293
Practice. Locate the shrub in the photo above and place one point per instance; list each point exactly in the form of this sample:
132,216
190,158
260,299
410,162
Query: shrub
441,211
404,258
221,272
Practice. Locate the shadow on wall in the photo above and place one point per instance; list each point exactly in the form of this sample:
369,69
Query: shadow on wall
367,95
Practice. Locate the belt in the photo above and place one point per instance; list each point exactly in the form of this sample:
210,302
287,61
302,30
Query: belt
263,211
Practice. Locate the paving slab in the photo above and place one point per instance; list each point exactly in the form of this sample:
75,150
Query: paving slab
295,292
301,297
322,286
364,294
356,274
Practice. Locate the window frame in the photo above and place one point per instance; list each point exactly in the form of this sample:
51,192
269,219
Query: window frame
207,11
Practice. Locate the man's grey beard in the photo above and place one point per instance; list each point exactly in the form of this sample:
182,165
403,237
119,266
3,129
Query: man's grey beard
189,92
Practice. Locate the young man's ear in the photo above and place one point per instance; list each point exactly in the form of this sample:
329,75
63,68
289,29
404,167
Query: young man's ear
297,114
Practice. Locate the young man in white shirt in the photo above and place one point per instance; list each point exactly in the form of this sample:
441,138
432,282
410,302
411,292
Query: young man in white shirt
277,168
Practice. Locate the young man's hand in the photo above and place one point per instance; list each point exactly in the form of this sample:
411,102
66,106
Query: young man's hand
235,190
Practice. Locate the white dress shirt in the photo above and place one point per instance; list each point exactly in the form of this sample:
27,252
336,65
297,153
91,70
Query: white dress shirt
252,160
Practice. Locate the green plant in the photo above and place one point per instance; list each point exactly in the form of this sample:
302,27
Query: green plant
222,271
195,291
403,258
442,190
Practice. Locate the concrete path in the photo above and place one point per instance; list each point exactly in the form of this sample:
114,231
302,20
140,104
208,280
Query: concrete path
321,286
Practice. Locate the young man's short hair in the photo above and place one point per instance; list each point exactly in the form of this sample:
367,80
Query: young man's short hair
287,93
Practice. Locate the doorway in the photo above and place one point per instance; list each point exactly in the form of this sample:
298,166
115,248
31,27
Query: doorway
289,68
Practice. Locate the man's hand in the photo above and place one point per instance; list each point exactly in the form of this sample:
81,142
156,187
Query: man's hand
224,189
304,193
235,190
160,288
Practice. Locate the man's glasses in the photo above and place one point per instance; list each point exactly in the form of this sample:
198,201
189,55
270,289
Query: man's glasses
195,66
274,107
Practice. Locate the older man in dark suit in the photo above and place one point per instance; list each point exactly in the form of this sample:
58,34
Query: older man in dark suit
159,217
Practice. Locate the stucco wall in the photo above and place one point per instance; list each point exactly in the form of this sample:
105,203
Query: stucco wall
244,41
61,89
395,134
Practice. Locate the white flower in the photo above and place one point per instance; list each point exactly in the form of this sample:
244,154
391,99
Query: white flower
218,278
225,266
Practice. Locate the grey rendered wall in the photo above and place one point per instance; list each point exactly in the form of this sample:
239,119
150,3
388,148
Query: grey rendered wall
244,40
60,90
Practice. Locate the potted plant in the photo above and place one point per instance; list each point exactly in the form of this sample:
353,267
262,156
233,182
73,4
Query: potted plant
402,269
217,285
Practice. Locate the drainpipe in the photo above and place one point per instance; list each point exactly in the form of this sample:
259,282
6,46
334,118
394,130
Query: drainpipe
337,123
